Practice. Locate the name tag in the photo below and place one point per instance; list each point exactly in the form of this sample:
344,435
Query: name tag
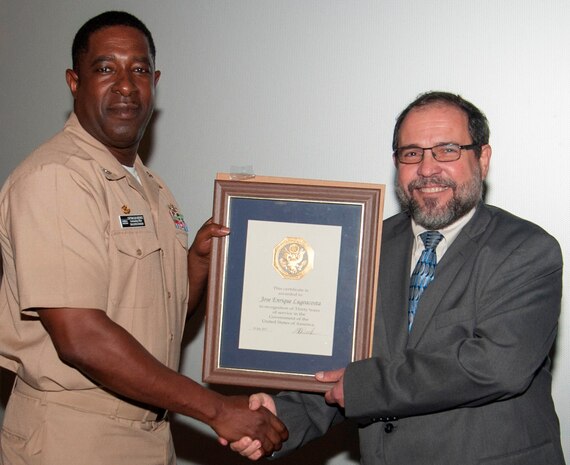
132,221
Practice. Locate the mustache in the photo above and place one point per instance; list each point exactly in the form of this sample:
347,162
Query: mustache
430,182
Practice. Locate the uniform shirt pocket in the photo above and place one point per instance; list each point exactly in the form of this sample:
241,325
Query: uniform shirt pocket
136,276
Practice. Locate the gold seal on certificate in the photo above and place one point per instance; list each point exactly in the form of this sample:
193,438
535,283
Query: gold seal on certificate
293,258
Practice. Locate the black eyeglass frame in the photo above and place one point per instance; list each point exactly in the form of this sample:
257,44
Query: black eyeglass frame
433,154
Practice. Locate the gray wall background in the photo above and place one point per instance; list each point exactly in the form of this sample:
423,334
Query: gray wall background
311,88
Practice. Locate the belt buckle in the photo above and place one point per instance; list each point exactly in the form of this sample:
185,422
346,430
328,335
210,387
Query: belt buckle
161,414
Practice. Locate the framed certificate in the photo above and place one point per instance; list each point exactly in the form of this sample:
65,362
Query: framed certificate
292,289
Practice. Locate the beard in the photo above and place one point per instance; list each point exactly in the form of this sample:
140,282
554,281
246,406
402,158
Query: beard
432,215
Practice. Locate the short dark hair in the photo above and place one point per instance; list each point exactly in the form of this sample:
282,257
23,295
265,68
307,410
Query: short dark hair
106,19
476,121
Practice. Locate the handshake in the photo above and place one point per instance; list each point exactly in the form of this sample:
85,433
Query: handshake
270,435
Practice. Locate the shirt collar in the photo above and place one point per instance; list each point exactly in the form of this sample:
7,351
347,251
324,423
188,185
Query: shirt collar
449,232
110,166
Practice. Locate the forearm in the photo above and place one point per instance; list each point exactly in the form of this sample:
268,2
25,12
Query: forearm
105,352
198,269
472,352
89,341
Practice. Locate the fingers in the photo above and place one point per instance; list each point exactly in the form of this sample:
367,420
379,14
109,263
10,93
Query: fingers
262,400
248,447
218,230
329,397
276,433
211,229
330,376
256,455
280,430
241,445
206,233
335,395
202,244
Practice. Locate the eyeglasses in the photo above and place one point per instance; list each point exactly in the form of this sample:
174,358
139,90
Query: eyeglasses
442,152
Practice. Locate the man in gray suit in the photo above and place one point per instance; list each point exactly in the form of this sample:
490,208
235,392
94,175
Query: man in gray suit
461,376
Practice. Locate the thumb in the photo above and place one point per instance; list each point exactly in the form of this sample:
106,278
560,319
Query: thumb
262,399
331,376
255,401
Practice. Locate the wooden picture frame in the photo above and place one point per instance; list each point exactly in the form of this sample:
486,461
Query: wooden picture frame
292,289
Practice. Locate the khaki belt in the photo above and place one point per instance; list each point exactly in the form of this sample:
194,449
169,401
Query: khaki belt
94,401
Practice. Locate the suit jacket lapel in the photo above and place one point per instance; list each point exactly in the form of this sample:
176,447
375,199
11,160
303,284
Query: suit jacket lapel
392,317
447,270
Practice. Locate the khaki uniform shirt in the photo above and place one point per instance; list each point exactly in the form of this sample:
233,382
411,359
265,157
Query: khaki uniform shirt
77,230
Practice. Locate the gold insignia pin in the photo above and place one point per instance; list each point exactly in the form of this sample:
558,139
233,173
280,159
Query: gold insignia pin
293,258
126,210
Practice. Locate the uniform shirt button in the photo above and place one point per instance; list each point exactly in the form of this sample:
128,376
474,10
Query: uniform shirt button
169,295
388,428
139,252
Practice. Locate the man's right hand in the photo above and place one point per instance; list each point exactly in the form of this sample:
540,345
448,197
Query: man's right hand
246,446
252,423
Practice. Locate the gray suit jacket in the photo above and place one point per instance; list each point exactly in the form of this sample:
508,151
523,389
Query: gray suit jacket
471,383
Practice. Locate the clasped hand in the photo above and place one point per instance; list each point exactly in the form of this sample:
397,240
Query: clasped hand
238,420
253,448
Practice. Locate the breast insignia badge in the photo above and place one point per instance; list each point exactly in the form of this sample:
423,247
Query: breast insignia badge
293,258
177,217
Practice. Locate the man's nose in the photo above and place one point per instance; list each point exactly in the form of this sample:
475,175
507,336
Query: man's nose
124,84
429,165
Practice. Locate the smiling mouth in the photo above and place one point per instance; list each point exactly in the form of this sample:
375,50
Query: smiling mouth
433,189
126,110
433,185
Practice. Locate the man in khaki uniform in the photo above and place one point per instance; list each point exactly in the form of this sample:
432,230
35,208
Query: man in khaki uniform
98,278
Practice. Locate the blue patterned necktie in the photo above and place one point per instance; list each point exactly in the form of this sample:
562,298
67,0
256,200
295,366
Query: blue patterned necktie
423,272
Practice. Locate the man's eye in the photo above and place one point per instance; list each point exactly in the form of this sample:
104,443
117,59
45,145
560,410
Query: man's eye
410,153
141,69
449,148
104,69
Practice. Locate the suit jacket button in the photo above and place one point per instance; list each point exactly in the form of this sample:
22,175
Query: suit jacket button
388,428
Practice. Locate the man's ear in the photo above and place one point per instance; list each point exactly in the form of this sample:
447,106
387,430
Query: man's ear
72,80
485,160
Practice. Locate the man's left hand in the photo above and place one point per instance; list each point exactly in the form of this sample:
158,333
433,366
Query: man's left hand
199,261
202,245
335,395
